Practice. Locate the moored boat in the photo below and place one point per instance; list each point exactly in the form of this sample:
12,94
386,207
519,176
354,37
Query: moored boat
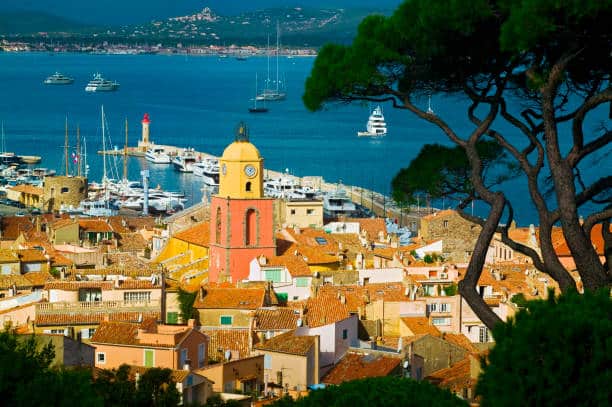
376,126
99,84
58,79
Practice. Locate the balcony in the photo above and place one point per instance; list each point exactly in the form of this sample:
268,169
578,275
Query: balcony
84,307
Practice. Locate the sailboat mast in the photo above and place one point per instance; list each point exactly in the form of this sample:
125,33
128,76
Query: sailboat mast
268,52
3,143
78,151
104,178
66,146
277,52
125,148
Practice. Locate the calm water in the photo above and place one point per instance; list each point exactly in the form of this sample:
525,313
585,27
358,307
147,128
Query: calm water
197,102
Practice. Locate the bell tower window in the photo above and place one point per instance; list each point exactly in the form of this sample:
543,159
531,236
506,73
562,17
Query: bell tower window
218,226
251,227
248,187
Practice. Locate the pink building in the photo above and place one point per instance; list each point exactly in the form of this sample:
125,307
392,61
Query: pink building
149,344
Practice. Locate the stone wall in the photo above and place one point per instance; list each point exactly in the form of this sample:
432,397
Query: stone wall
458,235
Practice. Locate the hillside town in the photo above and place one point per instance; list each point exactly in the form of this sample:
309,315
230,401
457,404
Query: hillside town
252,298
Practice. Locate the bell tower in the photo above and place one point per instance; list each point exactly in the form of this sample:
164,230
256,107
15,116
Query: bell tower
241,217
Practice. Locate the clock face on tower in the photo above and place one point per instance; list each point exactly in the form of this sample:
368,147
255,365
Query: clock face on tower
250,171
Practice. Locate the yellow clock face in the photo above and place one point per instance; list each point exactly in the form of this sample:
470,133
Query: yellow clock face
250,171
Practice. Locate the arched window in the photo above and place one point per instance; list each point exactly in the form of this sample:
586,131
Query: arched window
248,186
251,227
218,226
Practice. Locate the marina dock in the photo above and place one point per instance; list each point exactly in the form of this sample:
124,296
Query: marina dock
379,204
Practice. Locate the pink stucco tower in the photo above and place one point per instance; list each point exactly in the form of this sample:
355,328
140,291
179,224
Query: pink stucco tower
241,218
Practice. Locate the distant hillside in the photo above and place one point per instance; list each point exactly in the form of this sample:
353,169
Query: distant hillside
27,22
298,26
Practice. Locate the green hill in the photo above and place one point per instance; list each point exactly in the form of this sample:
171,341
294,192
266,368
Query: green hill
27,23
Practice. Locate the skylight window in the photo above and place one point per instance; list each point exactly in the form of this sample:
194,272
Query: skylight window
321,240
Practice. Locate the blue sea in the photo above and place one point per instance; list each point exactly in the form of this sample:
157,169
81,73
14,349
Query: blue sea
197,101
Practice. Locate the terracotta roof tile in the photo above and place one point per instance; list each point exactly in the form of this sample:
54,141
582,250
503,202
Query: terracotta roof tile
94,225
31,255
456,377
8,256
324,309
238,341
93,318
38,278
235,298
358,296
198,234
61,223
420,325
121,333
7,281
273,319
357,366
296,265
372,226
76,285
13,226
288,343
562,249
460,340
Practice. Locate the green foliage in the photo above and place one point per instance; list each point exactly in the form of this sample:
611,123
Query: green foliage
26,378
428,259
377,392
556,352
440,171
432,258
157,388
186,300
114,387
215,401
451,290
519,299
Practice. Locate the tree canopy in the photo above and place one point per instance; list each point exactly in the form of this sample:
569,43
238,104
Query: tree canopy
555,352
377,392
536,75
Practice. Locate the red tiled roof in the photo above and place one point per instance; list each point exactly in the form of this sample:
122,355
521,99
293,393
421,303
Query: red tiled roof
562,249
93,318
356,366
13,226
460,340
235,340
372,226
420,325
76,285
358,296
38,278
235,298
122,333
198,234
274,319
28,189
6,281
31,255
324,309
296,265
288,343
456,377
94,225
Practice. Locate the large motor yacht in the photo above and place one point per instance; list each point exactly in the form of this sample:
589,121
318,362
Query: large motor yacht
184,161
99,84
376,126
58,79
208,169
158,155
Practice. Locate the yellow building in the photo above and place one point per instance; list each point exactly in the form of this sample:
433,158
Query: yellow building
300,213
186,253
28,195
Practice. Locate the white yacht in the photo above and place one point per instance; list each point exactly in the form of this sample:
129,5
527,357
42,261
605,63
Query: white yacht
208,169
376,126
158,155
337,203
99,84
184,161
58,79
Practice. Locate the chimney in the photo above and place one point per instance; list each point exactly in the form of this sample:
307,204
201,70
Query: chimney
187,365
117,282
343,299
191,323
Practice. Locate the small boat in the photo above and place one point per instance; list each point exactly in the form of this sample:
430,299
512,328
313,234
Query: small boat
376,126
255,108
58,79
99,84
158,155
184,161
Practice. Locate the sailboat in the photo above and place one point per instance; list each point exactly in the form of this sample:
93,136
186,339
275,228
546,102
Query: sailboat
6,158
429,109
255,108
276,93
100,206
